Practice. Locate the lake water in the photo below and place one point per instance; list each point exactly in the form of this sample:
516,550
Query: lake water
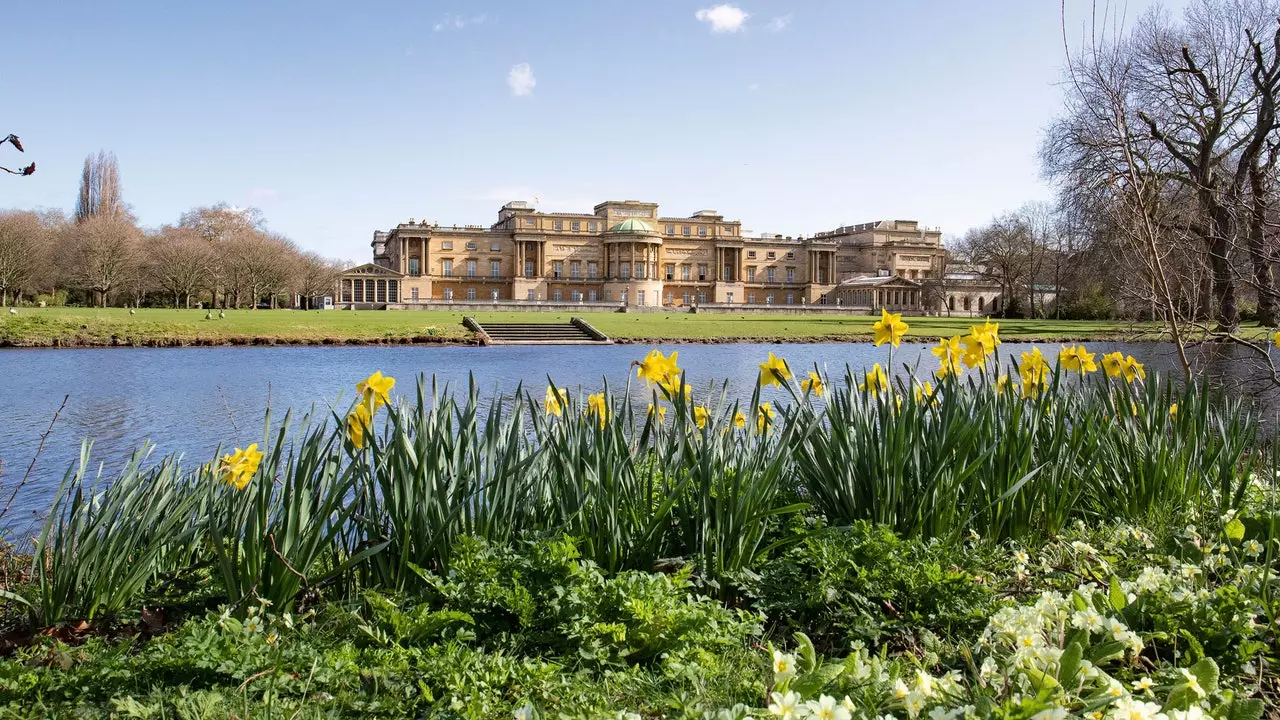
191,400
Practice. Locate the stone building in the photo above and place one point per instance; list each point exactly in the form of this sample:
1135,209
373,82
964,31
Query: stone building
625,252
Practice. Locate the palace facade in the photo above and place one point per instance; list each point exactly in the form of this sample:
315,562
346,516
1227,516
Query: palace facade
625,252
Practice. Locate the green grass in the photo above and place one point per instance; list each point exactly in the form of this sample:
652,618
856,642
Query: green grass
111,326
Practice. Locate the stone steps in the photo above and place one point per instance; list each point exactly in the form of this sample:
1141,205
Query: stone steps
574,332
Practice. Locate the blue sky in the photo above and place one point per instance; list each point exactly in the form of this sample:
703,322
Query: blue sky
337,119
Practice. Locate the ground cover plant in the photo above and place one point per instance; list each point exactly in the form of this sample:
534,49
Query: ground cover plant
999,537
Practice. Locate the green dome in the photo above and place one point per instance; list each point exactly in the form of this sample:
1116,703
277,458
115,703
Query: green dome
632,225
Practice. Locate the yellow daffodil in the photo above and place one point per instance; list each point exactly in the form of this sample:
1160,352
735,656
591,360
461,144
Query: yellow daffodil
764,416
673,386
1133,370
975,350
774,371
875,381
1002,383
660,409
239,467
359,421
1173,411
1113,364
1077,359
555,401
813,384
923,391
1034,372
889,329
989,332
376,389
700,416
948,352
1275,339
739,419
655,367
598,407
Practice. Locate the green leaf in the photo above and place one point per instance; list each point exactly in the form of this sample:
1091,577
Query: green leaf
1206,671
805,654
1250,709
810,683
1235,530
1116,595
1069,664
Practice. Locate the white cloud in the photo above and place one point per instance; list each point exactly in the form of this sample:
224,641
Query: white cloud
753,87
723,18
780,22
457,22
520,79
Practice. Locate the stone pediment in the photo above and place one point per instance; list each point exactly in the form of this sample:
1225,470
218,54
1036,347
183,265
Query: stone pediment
372,270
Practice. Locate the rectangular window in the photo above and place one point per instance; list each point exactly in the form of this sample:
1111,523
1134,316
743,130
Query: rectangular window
591,296
626,270
495,268
471,293
530,222
670,297
640,270
557,268
446,267
791,256
684,272
751,274
684,299
446,245
591,226
557,295
770,255
684,230
791,274
382,291
415,267
702,231
702,271
495,247
575,226
702,298
640,298
670,271
528,268
575,269
577,296
530,296
471,268
393,291
671,229
791,299
558,224
751,298
592,269
448,293
770,271
471,245
413,294
751,254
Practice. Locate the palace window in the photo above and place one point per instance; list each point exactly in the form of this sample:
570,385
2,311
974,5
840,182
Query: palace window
446,267
684,299
575,269
413,294
702,271
684,272
575,226
576,295
791,299
751,298
557,268
770,272
791,275
448,293
471,245
702,298
751,254
471,293
495,268
558,224
640,298
671,229
670,271
591,226
393,291
528,268
791,256
495,247
557,295
471,268
670,297
626,270
531,296
770,255
684,230
591,270
751,273
640,270
415,267
591,296
702,231
530,222
446,245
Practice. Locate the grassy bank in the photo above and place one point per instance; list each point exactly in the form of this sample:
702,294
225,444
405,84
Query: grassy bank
1020,542
46,327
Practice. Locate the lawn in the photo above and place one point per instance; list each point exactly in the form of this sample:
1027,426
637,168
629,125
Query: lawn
91,326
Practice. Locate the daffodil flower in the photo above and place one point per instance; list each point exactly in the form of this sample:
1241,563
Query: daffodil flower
239,467
774,371
948,352
739,419
1077,359
764,416
700,416
376,389
875,381
598,407
890,328
359,421
555,401
813,384
655,367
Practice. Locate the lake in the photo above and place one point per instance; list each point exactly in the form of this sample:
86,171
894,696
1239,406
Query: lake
191,400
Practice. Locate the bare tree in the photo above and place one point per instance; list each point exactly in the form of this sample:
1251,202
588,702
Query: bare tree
315,276
1001,251
20,241
102,255
180,262
99,189
223,226
13,140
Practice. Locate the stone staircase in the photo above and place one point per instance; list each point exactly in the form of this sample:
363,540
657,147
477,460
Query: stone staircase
574,332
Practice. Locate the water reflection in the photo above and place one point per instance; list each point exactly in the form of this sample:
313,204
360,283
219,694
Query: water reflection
193,400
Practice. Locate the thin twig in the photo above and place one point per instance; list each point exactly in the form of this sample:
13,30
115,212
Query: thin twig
227,407
43,438
272,538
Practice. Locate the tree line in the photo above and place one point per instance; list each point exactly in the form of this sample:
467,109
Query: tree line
216,256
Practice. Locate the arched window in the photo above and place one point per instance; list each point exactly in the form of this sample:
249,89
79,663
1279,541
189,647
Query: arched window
951,302
966,303
982,303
